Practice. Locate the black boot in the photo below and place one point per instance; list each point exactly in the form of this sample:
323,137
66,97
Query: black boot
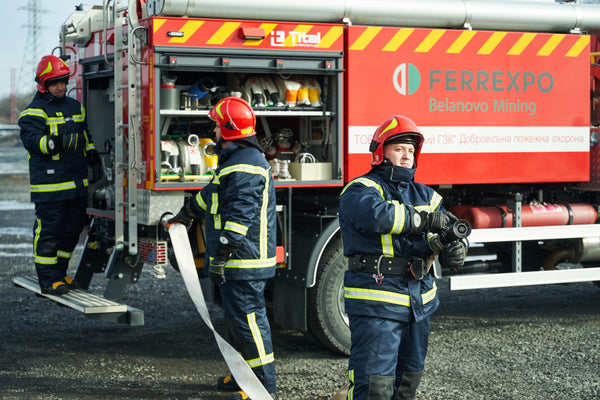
227,383
407,389
57,288
380,387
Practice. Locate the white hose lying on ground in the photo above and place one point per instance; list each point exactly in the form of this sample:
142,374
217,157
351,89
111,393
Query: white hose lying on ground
240,370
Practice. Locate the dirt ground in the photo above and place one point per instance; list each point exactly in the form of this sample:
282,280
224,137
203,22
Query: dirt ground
530,343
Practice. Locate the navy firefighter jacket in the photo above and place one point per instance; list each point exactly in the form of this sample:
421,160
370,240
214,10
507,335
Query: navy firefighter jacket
239,202
374,221
55,176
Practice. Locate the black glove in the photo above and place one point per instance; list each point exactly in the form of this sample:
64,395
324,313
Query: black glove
216,269
422,221
185,216
93,160
453,255
439,221
67,142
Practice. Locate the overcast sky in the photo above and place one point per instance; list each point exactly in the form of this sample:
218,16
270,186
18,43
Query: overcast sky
16,41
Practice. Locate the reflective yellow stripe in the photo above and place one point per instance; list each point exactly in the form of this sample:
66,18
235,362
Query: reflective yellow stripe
235,227
45,260
79,117
256,336
53,122
387,245
257,263
56,187
35,112
387,296
89,146
200,201
399,213
38,229
259,362
435,202
250,169
37,258
214,204
63,254
430,295
377,295
366,182
214,208
351,388
264,219
263,357
44,145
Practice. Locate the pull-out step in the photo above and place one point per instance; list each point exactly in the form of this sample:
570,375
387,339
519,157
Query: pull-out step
92,305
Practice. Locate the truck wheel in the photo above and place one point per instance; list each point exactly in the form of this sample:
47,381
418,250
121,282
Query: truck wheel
327,319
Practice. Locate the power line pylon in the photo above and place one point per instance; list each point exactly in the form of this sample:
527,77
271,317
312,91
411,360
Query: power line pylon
31,54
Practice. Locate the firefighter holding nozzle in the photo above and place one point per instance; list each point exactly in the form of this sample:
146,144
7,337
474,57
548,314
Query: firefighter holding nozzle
238,207
60,148
391,228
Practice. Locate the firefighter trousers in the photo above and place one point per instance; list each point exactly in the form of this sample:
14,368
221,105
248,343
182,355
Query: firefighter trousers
56,232
249,329
383,350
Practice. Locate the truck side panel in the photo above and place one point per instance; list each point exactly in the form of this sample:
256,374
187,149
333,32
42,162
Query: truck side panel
494,106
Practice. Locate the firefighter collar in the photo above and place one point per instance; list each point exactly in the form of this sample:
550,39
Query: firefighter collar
394,173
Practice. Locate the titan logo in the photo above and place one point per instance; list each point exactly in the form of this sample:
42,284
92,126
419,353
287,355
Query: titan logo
407,79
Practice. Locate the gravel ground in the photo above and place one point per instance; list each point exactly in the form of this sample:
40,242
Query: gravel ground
530,343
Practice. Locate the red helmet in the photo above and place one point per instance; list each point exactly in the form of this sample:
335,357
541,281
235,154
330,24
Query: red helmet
50,68
236,118
396,129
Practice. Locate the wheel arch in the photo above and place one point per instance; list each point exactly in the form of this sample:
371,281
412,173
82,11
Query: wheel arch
318,250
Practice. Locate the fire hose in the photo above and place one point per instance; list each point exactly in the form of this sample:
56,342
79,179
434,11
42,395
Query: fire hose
238,367
240,370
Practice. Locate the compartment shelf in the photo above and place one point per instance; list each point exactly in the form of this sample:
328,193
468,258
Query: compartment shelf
258,113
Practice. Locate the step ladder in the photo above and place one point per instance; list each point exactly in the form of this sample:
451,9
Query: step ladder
90,304
128,158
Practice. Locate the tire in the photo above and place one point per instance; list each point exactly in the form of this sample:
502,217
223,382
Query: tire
327,320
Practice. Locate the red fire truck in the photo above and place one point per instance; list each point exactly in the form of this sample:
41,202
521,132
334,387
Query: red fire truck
502,91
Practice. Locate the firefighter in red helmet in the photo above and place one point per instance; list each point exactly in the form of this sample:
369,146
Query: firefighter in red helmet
238,207
234,117
389,290
51,69
54,132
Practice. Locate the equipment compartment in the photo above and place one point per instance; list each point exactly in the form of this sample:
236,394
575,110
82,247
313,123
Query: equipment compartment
298,117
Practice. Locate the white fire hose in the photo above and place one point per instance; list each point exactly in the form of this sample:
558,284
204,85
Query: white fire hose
240,370
238,367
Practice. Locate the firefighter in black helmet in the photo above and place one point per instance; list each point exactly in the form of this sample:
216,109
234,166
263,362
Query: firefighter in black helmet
54,132
389,290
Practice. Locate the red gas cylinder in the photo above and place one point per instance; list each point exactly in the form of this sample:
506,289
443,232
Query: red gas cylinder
498,216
